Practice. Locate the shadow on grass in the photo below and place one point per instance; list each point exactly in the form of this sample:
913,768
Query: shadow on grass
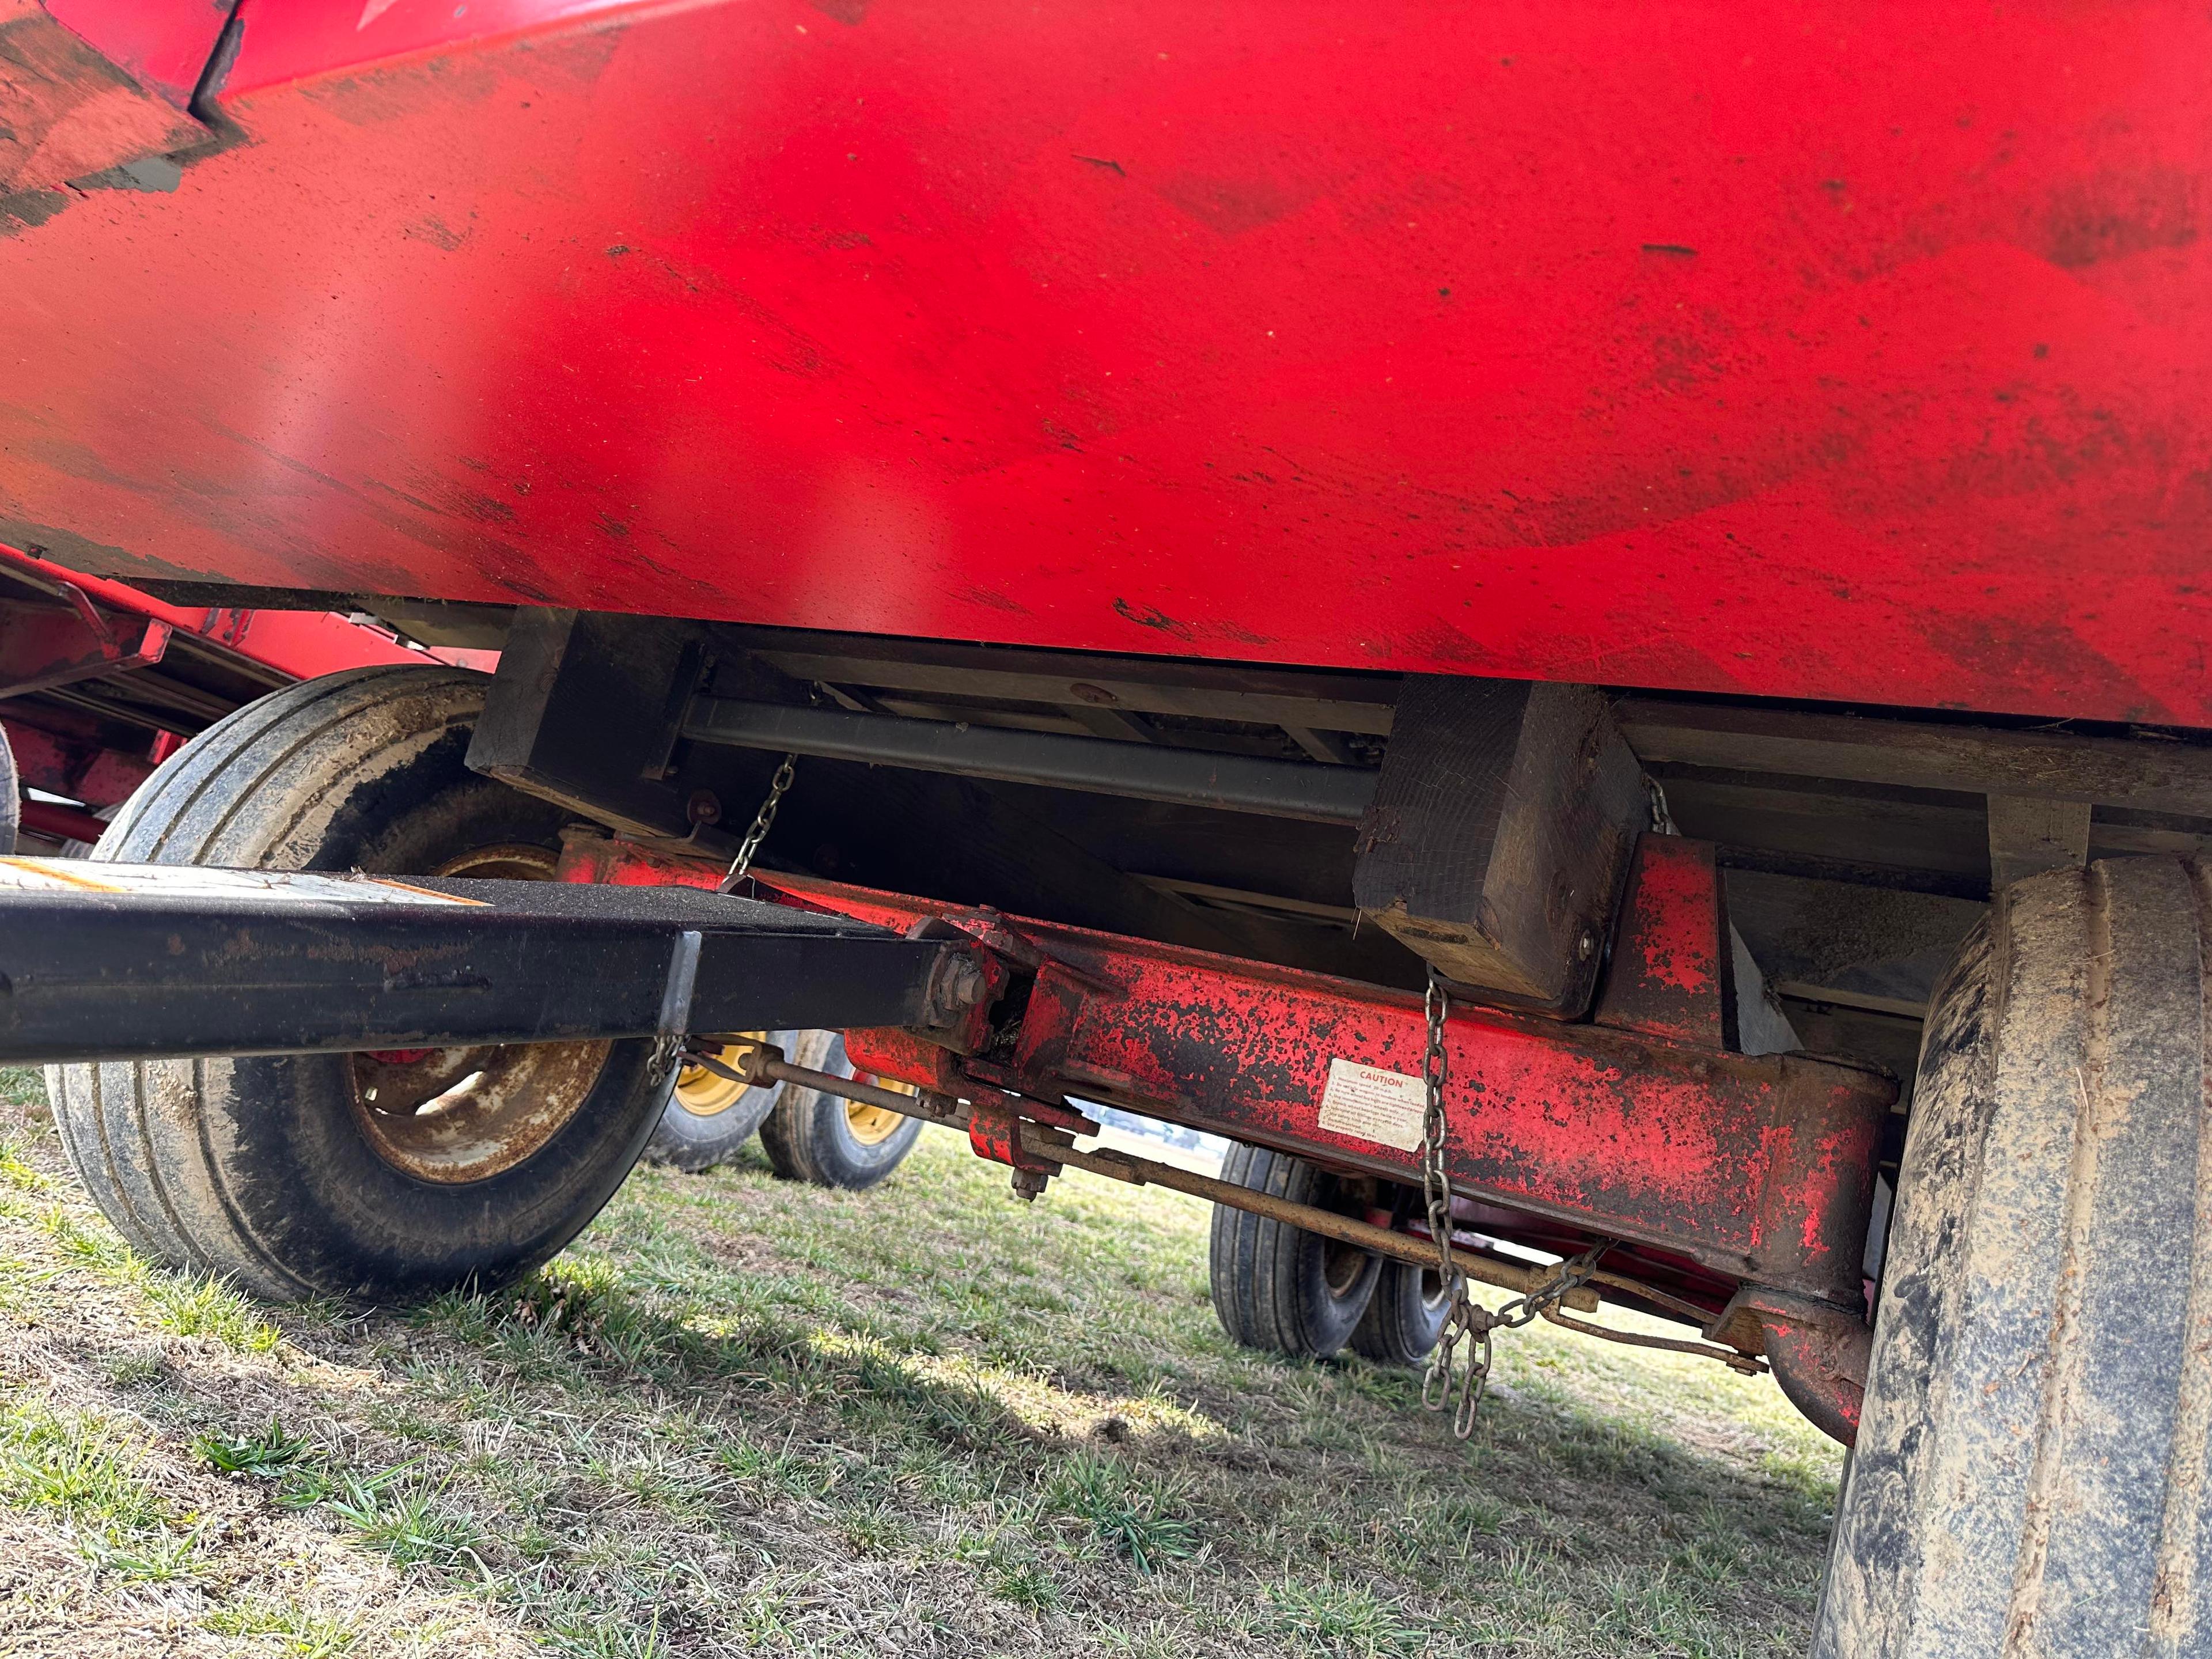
575,1323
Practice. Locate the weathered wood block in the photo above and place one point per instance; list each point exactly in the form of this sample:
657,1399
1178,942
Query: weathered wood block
1498,842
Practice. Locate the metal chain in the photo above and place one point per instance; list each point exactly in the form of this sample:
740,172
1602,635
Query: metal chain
743,864
1466,1322
1662,820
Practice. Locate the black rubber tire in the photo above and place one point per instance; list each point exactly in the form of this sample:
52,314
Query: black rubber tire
697,1141
808,1135
1405,1316
2031,1471
11,798
1271,1281
258,1169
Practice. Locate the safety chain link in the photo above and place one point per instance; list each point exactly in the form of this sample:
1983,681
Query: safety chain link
1468,1323
741,866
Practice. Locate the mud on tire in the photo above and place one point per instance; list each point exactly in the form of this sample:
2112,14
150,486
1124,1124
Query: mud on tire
324,1174
2031,1475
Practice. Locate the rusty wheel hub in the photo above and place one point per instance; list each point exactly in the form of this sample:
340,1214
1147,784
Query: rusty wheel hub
460,1114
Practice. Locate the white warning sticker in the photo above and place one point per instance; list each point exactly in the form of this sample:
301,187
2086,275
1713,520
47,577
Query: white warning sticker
1370,1103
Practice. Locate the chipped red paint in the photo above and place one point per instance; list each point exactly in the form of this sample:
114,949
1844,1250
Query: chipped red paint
1820,1354
67,112
1756,1170
1812,349
1668,975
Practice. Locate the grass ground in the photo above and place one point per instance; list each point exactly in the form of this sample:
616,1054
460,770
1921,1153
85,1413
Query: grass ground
741,1414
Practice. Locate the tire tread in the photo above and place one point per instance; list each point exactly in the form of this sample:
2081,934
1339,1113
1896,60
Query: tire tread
2030,1473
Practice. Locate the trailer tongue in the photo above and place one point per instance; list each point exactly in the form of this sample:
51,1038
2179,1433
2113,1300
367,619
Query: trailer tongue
107,962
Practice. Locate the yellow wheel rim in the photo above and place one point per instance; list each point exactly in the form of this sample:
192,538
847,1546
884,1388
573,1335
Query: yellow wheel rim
702,1092
872,1126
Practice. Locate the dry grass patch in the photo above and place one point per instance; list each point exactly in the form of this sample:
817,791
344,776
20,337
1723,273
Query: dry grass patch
929,1419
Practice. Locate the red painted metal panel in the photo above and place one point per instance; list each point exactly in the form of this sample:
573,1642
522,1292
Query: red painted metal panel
1754,1168
67,113
81,770
1826,349
1669,973
299,643
287,41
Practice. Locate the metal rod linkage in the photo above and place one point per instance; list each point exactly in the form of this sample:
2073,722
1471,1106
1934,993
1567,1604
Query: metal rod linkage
757,1065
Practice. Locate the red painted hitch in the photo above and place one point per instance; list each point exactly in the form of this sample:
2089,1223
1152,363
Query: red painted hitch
1739,1185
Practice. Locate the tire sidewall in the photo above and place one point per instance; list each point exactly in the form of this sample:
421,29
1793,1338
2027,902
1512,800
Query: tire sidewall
313,1207
697,1141
843,1159
1330,1316
1401,1325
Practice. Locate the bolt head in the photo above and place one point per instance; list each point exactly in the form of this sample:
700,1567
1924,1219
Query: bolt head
705,806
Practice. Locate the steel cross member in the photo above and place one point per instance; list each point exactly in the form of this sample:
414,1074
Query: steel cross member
1758,1169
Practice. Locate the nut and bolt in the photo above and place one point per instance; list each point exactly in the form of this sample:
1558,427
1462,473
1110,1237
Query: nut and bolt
963,983
1029,1184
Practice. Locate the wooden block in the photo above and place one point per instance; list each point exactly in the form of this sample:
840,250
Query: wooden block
586,710
1500,835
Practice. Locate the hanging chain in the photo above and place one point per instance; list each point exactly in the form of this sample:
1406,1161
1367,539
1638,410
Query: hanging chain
742,865
1468,1323
1662,820
1466,1320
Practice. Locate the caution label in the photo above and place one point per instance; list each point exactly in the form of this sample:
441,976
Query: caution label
1369,1104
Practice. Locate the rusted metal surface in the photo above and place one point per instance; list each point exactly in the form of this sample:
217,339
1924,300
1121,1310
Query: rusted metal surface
455,1115
763,1063
1381,1240
1670,967
1820,1355
1756,1170
1821,350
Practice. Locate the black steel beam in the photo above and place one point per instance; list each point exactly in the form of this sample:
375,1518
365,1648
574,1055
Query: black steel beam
1189,777
120,962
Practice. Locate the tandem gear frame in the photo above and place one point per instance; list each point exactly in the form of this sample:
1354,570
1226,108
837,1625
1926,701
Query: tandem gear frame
1735,1190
